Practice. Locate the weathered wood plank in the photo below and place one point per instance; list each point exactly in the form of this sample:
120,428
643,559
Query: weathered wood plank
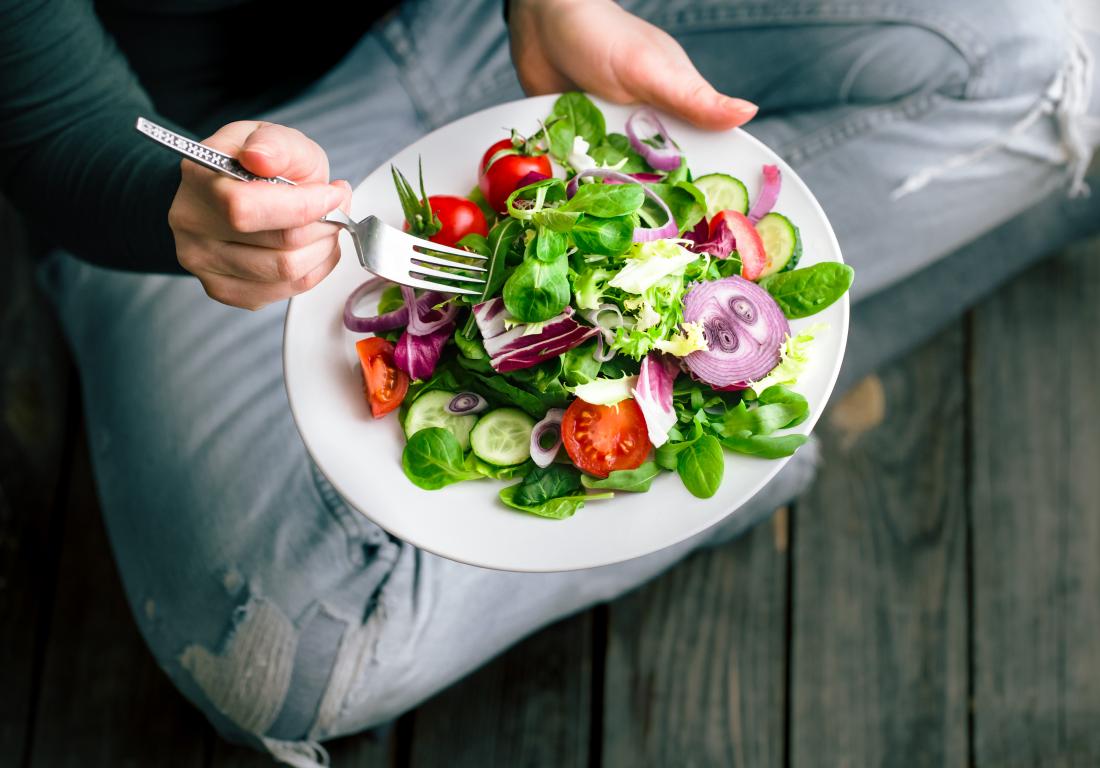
1036,517
879,614
103,700
34,378
530,707
696,660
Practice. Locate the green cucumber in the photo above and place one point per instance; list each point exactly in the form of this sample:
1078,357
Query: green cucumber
503,437
430,410
723,193
782,243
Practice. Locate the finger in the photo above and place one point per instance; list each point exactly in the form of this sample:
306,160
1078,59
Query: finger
290,239
672,83
266,265
276,150
253,295
257,206
318,273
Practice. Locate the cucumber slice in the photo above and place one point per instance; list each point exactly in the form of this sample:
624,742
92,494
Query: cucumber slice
782,243
430,410
723,193
503,437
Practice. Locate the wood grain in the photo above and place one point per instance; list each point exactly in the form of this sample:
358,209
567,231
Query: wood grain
104,702
879,653
530,707
696,660
34,383
1036,515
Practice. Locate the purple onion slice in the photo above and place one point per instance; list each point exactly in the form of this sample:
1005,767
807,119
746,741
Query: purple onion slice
649,139
744,329
546,437
465,403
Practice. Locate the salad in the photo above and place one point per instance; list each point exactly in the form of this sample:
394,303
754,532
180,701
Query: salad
634,320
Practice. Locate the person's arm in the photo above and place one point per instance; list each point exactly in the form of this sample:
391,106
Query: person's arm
70,159
596,46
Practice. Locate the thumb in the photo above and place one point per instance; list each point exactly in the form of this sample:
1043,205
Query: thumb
677,87
276,150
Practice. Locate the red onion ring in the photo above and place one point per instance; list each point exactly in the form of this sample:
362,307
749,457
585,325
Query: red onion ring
769,193
744,329
549,425
641,234
644,124
419,324
375,323
603,352
593,316
466,403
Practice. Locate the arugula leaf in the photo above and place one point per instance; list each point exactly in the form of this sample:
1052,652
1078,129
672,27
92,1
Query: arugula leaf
498,388
763,446
701,466
433,459
584,117
471,349
807,291
635,480
668,455
615,149
544,483
537,290
474,242
604,237
606,200
778,408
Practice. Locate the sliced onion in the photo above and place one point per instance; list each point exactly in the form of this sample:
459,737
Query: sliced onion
769,193
641,234
465,403
603,352
550,425
606,327
644,124
422,322
744,329
359,324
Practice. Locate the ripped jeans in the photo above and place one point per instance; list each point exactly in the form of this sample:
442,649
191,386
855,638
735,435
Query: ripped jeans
288,617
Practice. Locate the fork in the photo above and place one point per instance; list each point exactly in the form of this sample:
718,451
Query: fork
384,250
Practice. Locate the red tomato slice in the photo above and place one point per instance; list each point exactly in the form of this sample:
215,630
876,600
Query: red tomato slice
457,216
750,247
602,438
502,177
384,383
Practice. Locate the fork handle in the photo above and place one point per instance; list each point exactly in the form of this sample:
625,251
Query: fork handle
198,152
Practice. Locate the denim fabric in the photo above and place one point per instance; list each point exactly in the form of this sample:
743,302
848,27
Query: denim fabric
288,617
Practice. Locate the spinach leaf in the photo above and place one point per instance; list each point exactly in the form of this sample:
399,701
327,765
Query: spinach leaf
604,237
545,378
480,365
584,117
764,446
614,149
606,200
701,466
471,349
390,299
684,199
555,219
679,173
579,366
636,480
561,132
558,509
807,291
668,455
446,377
550,245
781,408
537,290
544,483
433,459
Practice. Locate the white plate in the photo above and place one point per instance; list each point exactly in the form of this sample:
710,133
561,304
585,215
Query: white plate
466,521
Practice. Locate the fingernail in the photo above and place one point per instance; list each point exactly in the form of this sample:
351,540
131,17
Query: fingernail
745,108
261,149
335,197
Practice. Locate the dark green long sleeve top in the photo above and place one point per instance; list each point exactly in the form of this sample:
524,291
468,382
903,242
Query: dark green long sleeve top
74,76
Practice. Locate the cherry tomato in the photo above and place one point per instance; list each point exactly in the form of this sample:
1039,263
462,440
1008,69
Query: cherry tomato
750,247
601,438
384,383
457,216
504,175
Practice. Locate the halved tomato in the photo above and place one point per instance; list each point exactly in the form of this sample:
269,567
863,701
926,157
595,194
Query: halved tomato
602,438
384,383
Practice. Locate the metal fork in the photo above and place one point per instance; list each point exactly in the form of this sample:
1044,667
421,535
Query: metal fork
384,250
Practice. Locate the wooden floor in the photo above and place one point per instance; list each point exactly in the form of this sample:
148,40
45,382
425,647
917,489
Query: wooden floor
933,601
